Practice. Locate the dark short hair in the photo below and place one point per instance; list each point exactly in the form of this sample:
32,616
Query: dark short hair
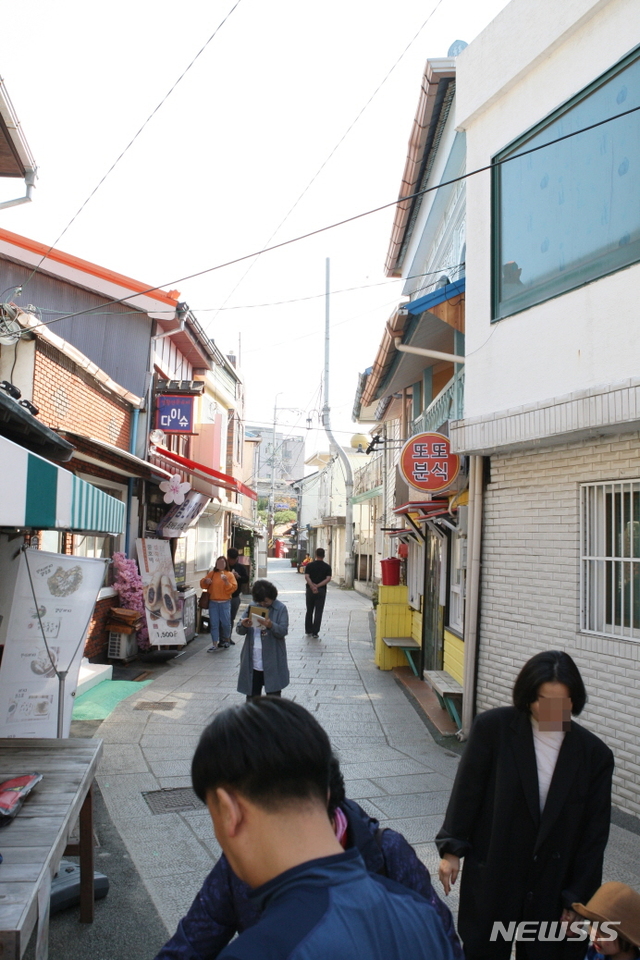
336,785
550,666
320,552
264,590
232,553
270,750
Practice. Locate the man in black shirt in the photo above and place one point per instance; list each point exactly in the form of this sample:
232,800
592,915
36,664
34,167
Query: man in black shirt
317,575
241,573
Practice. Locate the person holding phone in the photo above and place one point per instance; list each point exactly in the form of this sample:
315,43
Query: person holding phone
221,585
263,661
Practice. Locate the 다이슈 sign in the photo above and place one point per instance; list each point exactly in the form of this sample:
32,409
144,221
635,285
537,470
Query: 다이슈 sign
175,414
427,464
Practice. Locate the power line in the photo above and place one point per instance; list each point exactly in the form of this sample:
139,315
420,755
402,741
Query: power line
274,303
330,155
131,142
358,216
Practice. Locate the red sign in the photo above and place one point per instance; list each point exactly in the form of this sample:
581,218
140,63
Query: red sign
426,462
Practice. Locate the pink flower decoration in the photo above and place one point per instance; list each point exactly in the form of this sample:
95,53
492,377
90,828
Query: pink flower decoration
174,490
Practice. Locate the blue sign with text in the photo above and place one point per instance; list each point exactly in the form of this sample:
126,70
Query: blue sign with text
175,414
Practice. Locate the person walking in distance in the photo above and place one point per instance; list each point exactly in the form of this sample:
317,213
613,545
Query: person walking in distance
317,575
240,572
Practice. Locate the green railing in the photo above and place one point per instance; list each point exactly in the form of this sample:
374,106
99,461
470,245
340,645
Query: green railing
448,405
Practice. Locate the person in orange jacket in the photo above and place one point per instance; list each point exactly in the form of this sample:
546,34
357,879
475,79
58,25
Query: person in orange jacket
220,584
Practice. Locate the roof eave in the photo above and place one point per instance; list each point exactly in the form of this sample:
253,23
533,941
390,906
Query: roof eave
426,118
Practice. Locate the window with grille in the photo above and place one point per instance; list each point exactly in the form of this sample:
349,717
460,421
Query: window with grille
610,559
457,583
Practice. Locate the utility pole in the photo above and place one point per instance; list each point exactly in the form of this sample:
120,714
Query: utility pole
348,472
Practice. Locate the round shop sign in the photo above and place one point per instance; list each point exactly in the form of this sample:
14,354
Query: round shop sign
426,462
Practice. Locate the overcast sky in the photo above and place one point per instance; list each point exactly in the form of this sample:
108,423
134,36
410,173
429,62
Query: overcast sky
225,158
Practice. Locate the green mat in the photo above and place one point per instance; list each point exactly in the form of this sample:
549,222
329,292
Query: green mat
97,703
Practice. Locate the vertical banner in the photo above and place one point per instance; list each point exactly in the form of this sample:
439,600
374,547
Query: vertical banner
65,589
162,602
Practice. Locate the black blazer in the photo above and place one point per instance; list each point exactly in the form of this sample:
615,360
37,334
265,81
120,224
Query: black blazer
520,865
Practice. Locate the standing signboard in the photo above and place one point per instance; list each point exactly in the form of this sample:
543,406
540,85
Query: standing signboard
162,602
427,464
65,589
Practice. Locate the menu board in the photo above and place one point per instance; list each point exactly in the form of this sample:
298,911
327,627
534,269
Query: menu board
66,589
162,602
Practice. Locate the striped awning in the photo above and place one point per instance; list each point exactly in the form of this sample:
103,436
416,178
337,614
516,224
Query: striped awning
40,495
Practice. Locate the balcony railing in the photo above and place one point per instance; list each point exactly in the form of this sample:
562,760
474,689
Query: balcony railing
448,405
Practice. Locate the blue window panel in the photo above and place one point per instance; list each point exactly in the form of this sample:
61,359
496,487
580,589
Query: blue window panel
570,213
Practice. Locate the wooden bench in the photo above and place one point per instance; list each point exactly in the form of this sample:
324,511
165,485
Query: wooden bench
408,646
448,691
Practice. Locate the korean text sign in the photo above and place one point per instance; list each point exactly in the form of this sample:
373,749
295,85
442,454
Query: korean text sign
426,462
174,414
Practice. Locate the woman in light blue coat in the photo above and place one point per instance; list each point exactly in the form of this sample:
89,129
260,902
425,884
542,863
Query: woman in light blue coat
263,661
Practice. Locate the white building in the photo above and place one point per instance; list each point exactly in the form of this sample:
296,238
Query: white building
552,375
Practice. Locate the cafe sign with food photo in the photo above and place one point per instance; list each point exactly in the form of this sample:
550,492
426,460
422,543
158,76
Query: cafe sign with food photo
162,601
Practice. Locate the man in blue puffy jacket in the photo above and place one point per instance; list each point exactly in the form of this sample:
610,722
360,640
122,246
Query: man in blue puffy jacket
263,771
223,906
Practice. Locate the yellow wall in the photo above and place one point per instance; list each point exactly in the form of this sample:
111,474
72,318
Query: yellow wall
453,656
393,619
416,625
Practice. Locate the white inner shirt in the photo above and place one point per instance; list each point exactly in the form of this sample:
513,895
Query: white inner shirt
547,745
257,649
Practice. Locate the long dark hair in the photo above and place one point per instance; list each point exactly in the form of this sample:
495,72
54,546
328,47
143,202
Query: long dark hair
550,666
226,564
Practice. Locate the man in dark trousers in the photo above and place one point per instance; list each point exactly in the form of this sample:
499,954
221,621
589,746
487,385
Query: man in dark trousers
263,770
241,573
317,575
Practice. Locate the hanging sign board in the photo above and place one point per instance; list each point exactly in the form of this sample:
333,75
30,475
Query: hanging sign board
181,516
66,589
427,464
174,413
162,602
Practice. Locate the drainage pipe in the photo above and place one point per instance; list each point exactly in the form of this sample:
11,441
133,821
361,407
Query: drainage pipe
473,593
423,352
30,181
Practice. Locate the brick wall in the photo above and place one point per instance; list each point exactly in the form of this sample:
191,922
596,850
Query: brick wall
97,637
530,597
68,398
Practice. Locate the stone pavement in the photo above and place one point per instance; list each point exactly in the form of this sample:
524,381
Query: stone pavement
391,764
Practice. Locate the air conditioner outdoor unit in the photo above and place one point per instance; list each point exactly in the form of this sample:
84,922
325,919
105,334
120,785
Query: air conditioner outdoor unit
122,646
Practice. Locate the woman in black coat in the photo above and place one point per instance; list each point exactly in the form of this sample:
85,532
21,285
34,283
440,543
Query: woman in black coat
529,812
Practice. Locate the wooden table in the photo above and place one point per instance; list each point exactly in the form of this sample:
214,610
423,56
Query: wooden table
33,844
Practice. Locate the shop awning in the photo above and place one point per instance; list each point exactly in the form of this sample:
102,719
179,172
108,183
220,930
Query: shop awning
201,469
113,458
424,508
40,495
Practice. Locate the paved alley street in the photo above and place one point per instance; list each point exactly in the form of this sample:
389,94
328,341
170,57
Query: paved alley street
391,764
